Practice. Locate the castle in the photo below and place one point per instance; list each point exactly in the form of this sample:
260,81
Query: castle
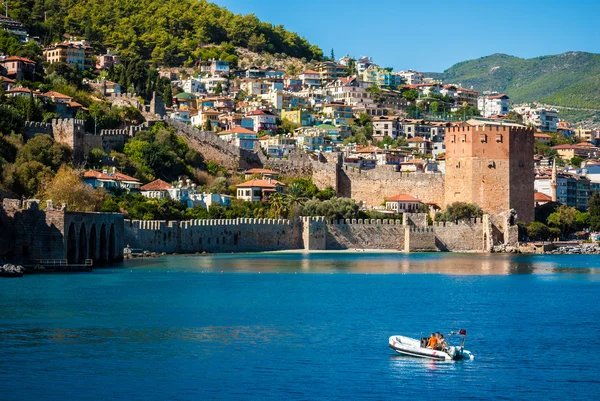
31,234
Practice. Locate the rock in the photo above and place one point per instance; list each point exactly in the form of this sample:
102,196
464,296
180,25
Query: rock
9,270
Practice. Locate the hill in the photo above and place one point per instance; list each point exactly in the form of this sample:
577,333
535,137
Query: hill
167,32
569,80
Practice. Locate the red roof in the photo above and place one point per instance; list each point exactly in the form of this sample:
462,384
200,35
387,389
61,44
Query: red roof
540,197
542,136
156,185
369,149
418,139
260,184
17,58
402,198
57,95
259,113
238,130
103,176
19,89
497,96
123,177
310,72
260,171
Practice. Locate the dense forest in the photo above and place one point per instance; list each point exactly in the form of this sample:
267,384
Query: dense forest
166,32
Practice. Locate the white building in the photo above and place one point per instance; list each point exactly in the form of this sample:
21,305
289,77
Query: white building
258,190
495,104
403,203
410,77
211,83
193,85
185,193
543,119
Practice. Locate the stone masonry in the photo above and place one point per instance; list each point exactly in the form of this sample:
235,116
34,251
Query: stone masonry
59,234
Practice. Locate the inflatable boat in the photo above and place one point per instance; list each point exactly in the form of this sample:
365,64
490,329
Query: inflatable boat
418,348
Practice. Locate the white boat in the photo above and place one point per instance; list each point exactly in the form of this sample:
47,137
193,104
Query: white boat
418,348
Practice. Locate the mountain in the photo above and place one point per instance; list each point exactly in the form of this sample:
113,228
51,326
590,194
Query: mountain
570,80
167,32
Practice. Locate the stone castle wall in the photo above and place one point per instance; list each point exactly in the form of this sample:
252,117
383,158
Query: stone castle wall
237,235
309,233
60,234
367,234
213,148
373,186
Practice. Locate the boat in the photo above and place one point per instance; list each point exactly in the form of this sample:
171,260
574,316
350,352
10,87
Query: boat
418,348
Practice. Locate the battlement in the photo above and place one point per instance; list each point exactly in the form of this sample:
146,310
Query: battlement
36,124
68,121
378,222
159,225
489,128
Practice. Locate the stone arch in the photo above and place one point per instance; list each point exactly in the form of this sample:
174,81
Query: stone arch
103,254
82,245
93,253
71,244
112,243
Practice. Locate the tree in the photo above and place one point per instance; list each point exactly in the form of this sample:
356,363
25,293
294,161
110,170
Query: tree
434,106
564,219
277,206
207,125
576,161
410,95
332,55
538,231
67,187
459,211
333,209
594,211
219,89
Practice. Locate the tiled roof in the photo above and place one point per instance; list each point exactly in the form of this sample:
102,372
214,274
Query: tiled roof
237,130
156,185
402,198
259,171
260,184
540,197
17,58
57,95
19,89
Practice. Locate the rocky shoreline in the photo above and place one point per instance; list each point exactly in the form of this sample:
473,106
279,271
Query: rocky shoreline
584,249
9,270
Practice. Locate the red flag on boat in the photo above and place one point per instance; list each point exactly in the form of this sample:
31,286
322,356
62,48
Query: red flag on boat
462,332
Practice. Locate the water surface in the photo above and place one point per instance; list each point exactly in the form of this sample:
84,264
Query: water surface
303,326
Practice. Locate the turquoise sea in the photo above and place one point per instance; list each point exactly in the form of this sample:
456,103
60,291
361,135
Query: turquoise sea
303,327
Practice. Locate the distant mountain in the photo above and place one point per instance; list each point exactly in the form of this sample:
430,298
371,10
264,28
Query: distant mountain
570,79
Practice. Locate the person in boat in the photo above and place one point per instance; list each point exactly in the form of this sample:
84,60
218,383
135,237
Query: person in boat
442,344
432,343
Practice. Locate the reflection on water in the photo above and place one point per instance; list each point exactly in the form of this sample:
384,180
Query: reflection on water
217,334
376,263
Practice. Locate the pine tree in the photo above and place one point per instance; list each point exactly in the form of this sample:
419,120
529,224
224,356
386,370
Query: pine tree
207,125
332,55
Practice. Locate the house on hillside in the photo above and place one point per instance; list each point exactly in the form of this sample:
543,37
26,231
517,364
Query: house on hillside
17,68
259,190
403,203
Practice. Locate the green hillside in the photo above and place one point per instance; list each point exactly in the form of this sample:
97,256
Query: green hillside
167,32
570,80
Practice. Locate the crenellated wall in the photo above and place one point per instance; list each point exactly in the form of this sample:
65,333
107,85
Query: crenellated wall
365,234
226,235
373,186
309,233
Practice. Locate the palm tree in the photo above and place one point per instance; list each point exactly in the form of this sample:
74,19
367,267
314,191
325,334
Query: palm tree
277,205
296,195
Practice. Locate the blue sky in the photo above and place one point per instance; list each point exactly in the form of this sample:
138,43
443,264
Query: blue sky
433,35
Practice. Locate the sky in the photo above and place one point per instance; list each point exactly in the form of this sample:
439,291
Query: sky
431,36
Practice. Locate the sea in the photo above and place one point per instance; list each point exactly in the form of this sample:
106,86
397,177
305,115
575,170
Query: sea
303,326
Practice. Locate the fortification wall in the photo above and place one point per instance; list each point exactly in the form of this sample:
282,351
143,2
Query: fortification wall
373,186
239,235
461,236
367,234
33,128
211,147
